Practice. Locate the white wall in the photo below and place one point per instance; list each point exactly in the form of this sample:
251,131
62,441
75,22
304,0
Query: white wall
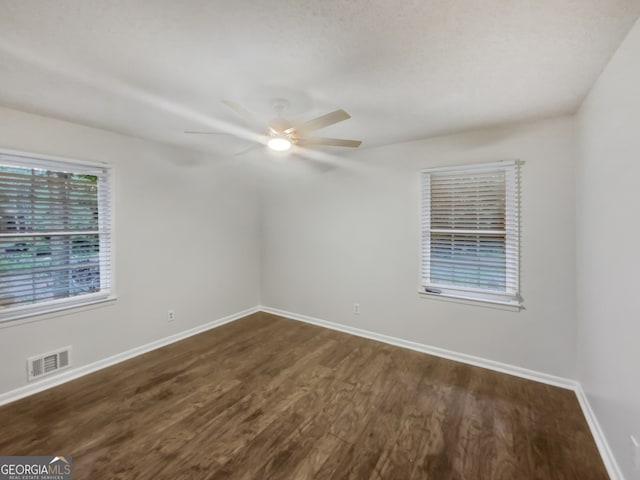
352,235
608,252
187,238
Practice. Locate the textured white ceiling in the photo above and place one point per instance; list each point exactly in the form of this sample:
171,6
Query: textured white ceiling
403,69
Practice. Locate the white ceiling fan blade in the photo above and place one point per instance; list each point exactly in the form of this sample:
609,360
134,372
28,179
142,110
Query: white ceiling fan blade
333,142
196,132
320,122
244,114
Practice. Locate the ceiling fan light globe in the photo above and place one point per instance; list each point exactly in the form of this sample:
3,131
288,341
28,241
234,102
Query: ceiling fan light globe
279,144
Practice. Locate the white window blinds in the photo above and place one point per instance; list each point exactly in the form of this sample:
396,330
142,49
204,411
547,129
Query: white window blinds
470,231
55,243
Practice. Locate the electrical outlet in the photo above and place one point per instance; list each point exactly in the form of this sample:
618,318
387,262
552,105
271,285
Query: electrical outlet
636,453
356,308
171,315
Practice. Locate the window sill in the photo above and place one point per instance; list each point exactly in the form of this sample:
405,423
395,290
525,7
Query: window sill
479,302
20,318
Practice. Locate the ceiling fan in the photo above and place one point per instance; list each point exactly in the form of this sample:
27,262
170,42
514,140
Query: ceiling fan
281,135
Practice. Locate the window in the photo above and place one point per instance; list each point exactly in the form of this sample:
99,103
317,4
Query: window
55,246
470,232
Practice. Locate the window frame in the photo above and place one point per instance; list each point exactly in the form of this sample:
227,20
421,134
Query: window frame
105,173
510,298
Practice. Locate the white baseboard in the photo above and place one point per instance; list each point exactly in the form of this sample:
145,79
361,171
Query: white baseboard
74,373
598,435
439,352
601,442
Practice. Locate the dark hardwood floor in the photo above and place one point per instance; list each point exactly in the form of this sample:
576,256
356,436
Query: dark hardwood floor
270,398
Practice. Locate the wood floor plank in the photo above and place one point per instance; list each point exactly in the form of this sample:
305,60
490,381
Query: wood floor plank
270,398
398,460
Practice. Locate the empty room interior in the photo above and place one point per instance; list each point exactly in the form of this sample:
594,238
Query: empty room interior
320,240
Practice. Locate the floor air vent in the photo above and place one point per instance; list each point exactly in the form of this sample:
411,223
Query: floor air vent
48,363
